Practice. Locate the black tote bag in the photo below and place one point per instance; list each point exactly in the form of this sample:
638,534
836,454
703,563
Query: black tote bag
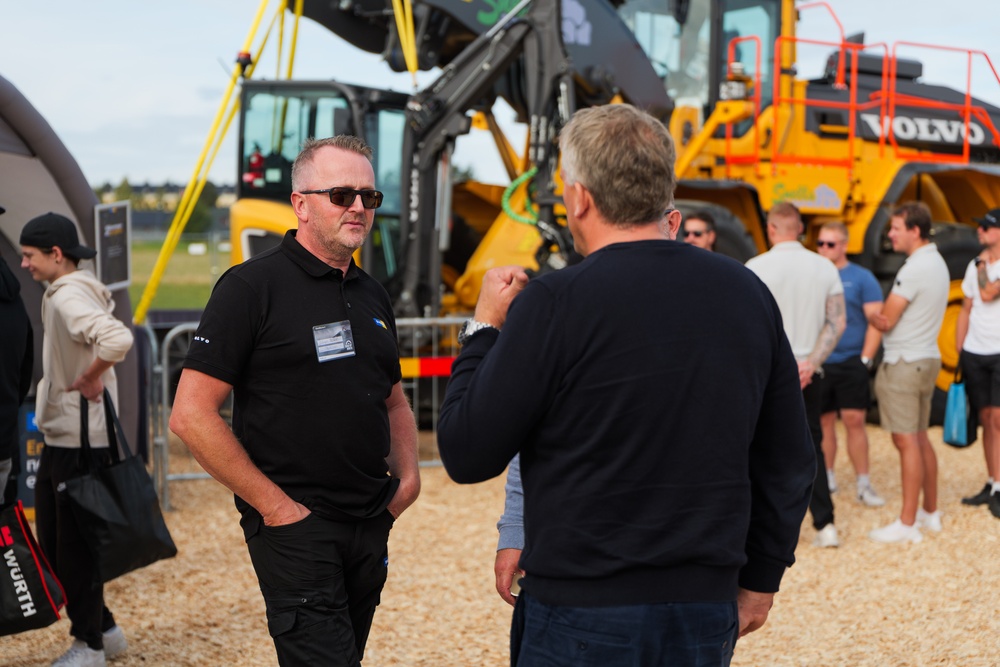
30,594
116,507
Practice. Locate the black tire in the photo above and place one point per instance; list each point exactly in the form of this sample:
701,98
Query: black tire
731,236
958,244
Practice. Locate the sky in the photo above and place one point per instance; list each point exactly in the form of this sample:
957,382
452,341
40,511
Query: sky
131,87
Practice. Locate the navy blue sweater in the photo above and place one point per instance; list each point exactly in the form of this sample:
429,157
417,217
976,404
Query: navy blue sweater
655,401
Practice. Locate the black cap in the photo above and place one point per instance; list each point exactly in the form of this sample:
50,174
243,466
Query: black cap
991,219
53,229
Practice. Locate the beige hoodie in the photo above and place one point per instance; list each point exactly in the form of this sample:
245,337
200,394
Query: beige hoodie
79,326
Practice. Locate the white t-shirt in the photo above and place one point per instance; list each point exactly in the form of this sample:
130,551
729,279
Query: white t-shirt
800,281
984,319
924,281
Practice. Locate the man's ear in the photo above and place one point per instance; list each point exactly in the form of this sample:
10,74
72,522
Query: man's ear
299,205
582,201
673,224
57,254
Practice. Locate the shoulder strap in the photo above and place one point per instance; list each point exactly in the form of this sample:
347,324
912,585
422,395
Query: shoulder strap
116,434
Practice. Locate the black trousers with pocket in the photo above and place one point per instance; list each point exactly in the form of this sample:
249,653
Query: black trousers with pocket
321,581
64,546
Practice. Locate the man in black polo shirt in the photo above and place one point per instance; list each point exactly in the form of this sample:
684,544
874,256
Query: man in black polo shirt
322,454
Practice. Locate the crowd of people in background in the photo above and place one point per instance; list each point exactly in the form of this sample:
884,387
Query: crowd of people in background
322,455
904,327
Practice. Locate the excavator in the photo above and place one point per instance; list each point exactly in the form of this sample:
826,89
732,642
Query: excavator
862,136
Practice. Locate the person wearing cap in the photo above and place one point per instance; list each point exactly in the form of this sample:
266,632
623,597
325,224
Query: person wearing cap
910,321
699,230
978,340
82,342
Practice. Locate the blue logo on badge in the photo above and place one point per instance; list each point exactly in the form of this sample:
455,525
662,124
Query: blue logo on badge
380,323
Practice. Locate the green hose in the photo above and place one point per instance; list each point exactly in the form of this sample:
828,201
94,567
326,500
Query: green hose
505,200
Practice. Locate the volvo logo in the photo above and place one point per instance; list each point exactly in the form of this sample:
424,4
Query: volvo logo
933,130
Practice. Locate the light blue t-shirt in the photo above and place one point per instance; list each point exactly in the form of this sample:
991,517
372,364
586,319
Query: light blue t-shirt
860,287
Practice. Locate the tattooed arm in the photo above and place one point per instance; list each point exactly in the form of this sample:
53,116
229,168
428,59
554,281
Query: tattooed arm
989,291
833,329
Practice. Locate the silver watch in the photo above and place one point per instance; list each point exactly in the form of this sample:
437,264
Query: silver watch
470,327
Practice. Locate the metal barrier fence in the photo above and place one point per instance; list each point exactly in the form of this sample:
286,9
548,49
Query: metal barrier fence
427,346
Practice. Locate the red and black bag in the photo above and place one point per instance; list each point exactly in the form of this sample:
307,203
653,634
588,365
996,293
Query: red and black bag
30,594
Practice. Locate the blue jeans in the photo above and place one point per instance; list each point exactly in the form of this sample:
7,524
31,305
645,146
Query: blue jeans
683,634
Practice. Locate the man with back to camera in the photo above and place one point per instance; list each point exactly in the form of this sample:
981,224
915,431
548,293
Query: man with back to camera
81,344
322,456
654,532
699,230
978,340
810,295
910,320
845,390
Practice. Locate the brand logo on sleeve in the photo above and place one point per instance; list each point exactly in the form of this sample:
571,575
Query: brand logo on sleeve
380,323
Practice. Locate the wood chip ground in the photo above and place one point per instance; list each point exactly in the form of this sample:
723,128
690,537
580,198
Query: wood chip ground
864,604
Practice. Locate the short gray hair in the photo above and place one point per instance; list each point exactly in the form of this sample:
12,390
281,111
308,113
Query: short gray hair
346,142
625,158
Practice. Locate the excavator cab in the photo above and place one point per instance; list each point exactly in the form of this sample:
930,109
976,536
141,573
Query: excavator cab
276,117
690,43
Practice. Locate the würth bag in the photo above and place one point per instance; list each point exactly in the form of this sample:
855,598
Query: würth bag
116,506
30,594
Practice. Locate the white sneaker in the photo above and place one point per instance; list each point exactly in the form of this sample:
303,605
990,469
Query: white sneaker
929,520
896,531
827,537
115,643
80,655
868,497
831,481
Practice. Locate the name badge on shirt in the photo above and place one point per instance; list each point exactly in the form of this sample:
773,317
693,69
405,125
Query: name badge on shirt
333,341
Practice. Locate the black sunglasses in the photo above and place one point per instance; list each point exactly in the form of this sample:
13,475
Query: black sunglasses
826,244
694,232
345,196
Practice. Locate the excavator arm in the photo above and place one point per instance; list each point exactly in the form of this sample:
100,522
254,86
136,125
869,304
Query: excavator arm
438,115
543,62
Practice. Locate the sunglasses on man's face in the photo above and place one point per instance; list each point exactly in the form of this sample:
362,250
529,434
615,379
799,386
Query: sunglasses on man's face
826,244
345,196
697,233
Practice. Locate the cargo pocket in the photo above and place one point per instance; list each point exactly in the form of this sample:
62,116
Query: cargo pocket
307,630
280,621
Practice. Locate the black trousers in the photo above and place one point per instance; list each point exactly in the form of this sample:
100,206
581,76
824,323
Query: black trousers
321,581
820,503
63,544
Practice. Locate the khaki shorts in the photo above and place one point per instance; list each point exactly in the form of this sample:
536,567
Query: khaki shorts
904,391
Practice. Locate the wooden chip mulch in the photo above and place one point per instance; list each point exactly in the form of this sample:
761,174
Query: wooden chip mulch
864,604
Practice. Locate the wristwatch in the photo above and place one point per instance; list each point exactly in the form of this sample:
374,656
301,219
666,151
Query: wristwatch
469,328
867,362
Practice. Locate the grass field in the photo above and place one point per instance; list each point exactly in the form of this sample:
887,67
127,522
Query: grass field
187,282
